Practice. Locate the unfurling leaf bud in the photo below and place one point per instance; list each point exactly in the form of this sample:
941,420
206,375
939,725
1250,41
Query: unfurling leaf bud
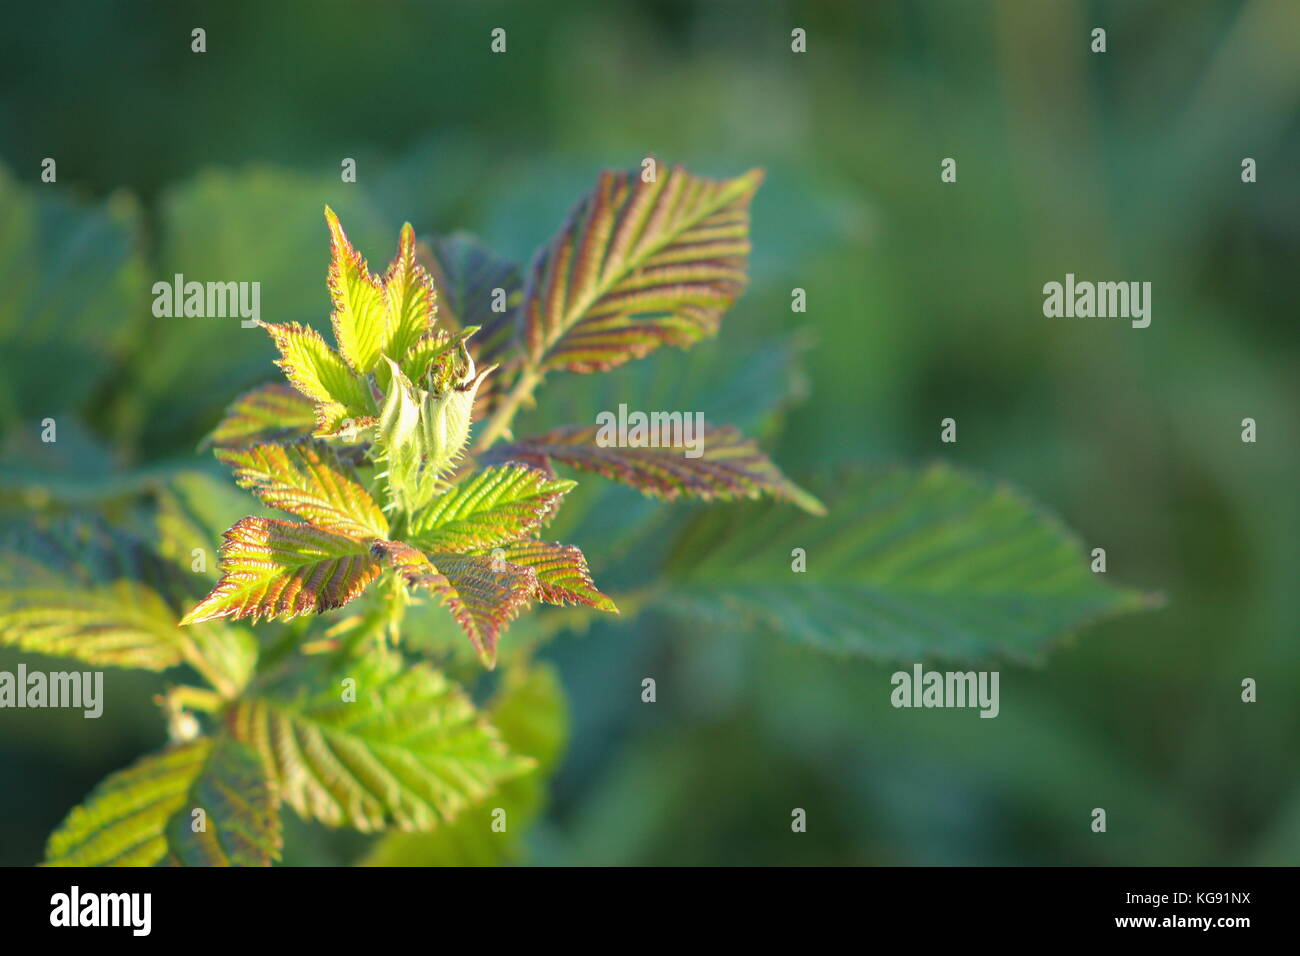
423,433
445,415
401,412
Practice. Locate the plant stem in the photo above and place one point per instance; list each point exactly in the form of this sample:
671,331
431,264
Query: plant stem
499,424
196,698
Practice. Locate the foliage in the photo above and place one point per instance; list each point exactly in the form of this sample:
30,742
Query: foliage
392,452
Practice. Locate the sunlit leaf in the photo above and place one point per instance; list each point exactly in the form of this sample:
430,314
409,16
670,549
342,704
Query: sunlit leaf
482,593
729,467
374,744
562,573
265,414
492,506
320,373
282,569
434,355
360,317
123,822
409,297
909,564
308,480
639,264
257,223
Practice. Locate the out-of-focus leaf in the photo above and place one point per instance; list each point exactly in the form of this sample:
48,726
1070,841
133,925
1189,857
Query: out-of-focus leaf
194,510
268,413
76,471
274,568
530,713
308,480
74,283
123,822
240,820
82,591
490,507
726,379
143,815
729,467
467,274
639,264
378,743
909,564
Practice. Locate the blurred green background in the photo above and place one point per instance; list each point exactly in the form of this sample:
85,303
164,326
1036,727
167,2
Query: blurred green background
924,301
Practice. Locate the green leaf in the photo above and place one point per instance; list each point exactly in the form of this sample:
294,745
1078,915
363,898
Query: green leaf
435,355
482,594
491,507
410,751
562,573
317,371
638,265
276,568
730,466
308,480
910,564
530,712
268,413
360,317
109,621
409,297
123,821
142,816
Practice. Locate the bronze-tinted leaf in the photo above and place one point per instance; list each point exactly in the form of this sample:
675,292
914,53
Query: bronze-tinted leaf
283,569
483,593
562,573
639,264
730,466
